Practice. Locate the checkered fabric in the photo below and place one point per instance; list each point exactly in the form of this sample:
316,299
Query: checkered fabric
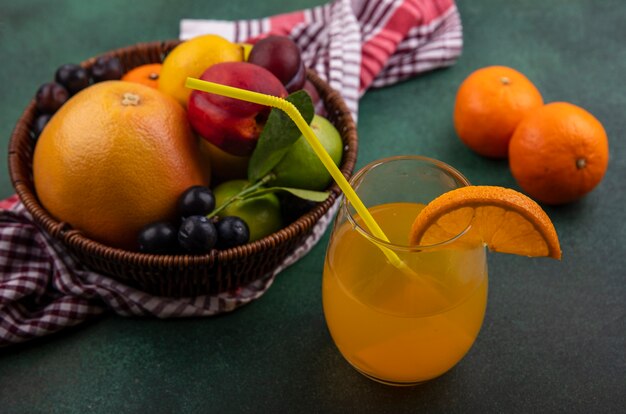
353,44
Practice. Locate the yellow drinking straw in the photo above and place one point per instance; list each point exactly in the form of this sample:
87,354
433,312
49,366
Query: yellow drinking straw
309,135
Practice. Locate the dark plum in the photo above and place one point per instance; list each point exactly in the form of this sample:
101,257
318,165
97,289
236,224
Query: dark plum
197,234
74,77
297,82
40,123
107,68
281,56
196,200
50,97
158,238
318,104
231,232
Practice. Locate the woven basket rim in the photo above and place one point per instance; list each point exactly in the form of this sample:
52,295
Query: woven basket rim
76,239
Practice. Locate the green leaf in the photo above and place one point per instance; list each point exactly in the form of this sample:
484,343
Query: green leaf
317,196
278,134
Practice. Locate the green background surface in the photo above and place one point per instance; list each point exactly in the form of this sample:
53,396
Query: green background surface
554,337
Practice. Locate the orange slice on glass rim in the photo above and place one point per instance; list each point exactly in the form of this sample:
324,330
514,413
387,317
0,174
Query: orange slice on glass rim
505,220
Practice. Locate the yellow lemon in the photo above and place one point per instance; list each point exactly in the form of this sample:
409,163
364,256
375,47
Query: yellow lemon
192,58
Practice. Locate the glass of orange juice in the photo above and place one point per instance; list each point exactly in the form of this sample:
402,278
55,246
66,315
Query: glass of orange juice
396,326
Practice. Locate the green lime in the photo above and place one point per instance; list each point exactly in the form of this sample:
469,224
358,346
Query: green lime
301,168
261,213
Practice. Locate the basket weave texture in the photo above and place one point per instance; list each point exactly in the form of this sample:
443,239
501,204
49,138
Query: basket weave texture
178,275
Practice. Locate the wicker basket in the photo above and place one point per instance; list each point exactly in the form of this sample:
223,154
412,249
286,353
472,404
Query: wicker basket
178,275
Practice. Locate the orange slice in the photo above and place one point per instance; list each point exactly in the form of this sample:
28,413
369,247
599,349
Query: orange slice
505,220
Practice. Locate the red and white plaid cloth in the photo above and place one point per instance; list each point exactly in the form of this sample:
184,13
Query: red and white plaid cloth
353,44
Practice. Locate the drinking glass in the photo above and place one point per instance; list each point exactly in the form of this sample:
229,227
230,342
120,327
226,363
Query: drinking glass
396,326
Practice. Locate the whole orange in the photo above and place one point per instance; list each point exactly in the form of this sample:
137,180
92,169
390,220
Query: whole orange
559,153
489,104
145,74
115,158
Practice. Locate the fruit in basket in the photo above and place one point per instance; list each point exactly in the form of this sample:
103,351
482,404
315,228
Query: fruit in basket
231,232
301,168
230,124
281,56
75,78
197,234
40,123
147,74
318,103
190,59
107,68
50,97
261,213
247,47
489,104
196,200
115,158
224,166
559,153
158,238
199,230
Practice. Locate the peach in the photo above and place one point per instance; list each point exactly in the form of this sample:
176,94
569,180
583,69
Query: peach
230,124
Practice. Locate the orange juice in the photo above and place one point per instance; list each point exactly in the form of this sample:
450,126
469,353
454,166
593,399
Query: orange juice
396,327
